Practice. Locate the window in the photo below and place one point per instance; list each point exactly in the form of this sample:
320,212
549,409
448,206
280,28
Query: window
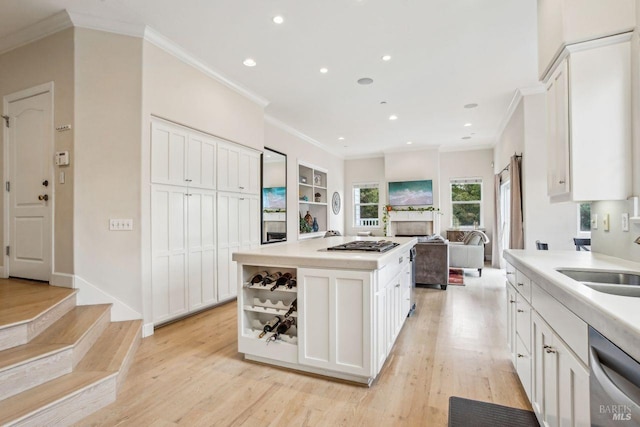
466,202
584,219
365,205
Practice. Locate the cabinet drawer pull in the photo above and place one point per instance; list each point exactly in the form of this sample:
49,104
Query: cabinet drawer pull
512,301
561,181
520,284
188,180
520,355
398,285
549,349
510,273
400,260
242,188
520,310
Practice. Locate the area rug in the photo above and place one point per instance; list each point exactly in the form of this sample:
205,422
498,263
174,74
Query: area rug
467,412
456,276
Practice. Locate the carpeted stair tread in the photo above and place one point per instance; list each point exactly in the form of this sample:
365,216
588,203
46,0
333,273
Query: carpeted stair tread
112,347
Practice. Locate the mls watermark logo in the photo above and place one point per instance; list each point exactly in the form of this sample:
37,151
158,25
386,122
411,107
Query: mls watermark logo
617,412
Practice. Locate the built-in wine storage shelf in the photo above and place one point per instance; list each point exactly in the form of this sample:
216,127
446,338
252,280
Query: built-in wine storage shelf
268,321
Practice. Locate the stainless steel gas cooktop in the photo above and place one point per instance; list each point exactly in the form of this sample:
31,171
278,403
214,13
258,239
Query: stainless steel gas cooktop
365,245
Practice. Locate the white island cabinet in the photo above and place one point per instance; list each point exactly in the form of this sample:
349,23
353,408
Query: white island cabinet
350,306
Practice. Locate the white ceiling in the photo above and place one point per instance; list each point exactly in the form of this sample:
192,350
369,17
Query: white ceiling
445,54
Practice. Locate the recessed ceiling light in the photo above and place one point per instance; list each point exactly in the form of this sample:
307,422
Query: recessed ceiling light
341,138
365,81
466,137
278,19
386,58
409,142
467,125
268,156
324,70
249,62
393,117
471,105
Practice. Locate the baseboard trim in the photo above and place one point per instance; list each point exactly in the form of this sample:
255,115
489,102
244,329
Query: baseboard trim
3,274
62,280
147,330
89,294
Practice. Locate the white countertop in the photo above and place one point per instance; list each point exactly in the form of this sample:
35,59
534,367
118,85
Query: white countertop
314,253
616,317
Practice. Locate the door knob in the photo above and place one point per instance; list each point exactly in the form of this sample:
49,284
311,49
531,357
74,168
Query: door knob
45,183
44,197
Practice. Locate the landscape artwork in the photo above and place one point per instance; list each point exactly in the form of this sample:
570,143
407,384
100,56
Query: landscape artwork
274,198
411,193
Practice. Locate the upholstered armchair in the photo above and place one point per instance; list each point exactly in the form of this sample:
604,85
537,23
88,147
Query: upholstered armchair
470,252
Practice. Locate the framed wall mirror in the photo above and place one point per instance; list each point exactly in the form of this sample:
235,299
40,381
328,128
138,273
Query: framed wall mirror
274,196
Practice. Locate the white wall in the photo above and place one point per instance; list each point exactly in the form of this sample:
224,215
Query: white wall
415,166
468,164
108,119
359,171
525,133
298,150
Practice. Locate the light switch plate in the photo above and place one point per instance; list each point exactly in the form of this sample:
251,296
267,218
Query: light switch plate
594,221
120,224
625,221
605,222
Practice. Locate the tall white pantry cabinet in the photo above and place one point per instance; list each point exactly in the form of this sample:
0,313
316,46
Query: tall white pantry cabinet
204,206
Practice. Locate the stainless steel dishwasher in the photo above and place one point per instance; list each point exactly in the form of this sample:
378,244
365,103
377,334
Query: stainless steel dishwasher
614,384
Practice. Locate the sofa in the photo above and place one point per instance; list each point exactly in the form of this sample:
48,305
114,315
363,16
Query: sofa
470,252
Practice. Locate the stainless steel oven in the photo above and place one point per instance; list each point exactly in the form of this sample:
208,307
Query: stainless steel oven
614,384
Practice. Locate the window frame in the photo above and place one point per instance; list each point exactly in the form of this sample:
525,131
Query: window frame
467,180
361,185
579,232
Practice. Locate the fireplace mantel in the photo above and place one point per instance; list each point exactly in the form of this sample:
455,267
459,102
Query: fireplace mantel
427,221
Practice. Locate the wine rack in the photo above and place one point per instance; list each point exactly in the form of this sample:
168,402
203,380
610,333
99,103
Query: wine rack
258,304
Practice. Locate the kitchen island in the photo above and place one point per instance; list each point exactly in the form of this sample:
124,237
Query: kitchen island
351,306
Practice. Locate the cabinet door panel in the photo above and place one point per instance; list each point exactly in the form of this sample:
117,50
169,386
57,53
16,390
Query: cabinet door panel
523,366
511,321
201,161
168,252
573,389
201,242
168,145
545,373
334,327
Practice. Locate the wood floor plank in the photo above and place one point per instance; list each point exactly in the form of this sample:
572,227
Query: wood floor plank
190,374
22,300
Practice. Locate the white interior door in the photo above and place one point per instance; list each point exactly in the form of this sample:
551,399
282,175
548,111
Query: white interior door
30,164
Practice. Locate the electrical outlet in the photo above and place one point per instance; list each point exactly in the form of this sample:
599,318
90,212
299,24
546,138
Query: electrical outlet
605,222
594,221
120,224
625,222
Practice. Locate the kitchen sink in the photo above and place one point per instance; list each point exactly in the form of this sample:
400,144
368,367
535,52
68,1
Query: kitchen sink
608,282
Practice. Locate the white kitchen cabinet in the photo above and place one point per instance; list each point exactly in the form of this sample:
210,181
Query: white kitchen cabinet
238,169
511,321
589,122
335,311
238,228
180,156
560,381
183,251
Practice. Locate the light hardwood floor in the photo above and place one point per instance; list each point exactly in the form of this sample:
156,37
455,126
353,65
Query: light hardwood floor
190,373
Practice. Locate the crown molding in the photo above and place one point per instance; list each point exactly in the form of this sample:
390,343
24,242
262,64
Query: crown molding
157,39
295,132
92,22
41,29
365,156
518,95
455,148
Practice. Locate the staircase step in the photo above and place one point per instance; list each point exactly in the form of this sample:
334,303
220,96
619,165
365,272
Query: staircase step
28,308
61,401
54,352
114,350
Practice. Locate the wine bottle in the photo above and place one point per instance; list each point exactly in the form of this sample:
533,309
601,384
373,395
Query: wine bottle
271,278
293,307
258,277
292,283
283,327
270,325
282,280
